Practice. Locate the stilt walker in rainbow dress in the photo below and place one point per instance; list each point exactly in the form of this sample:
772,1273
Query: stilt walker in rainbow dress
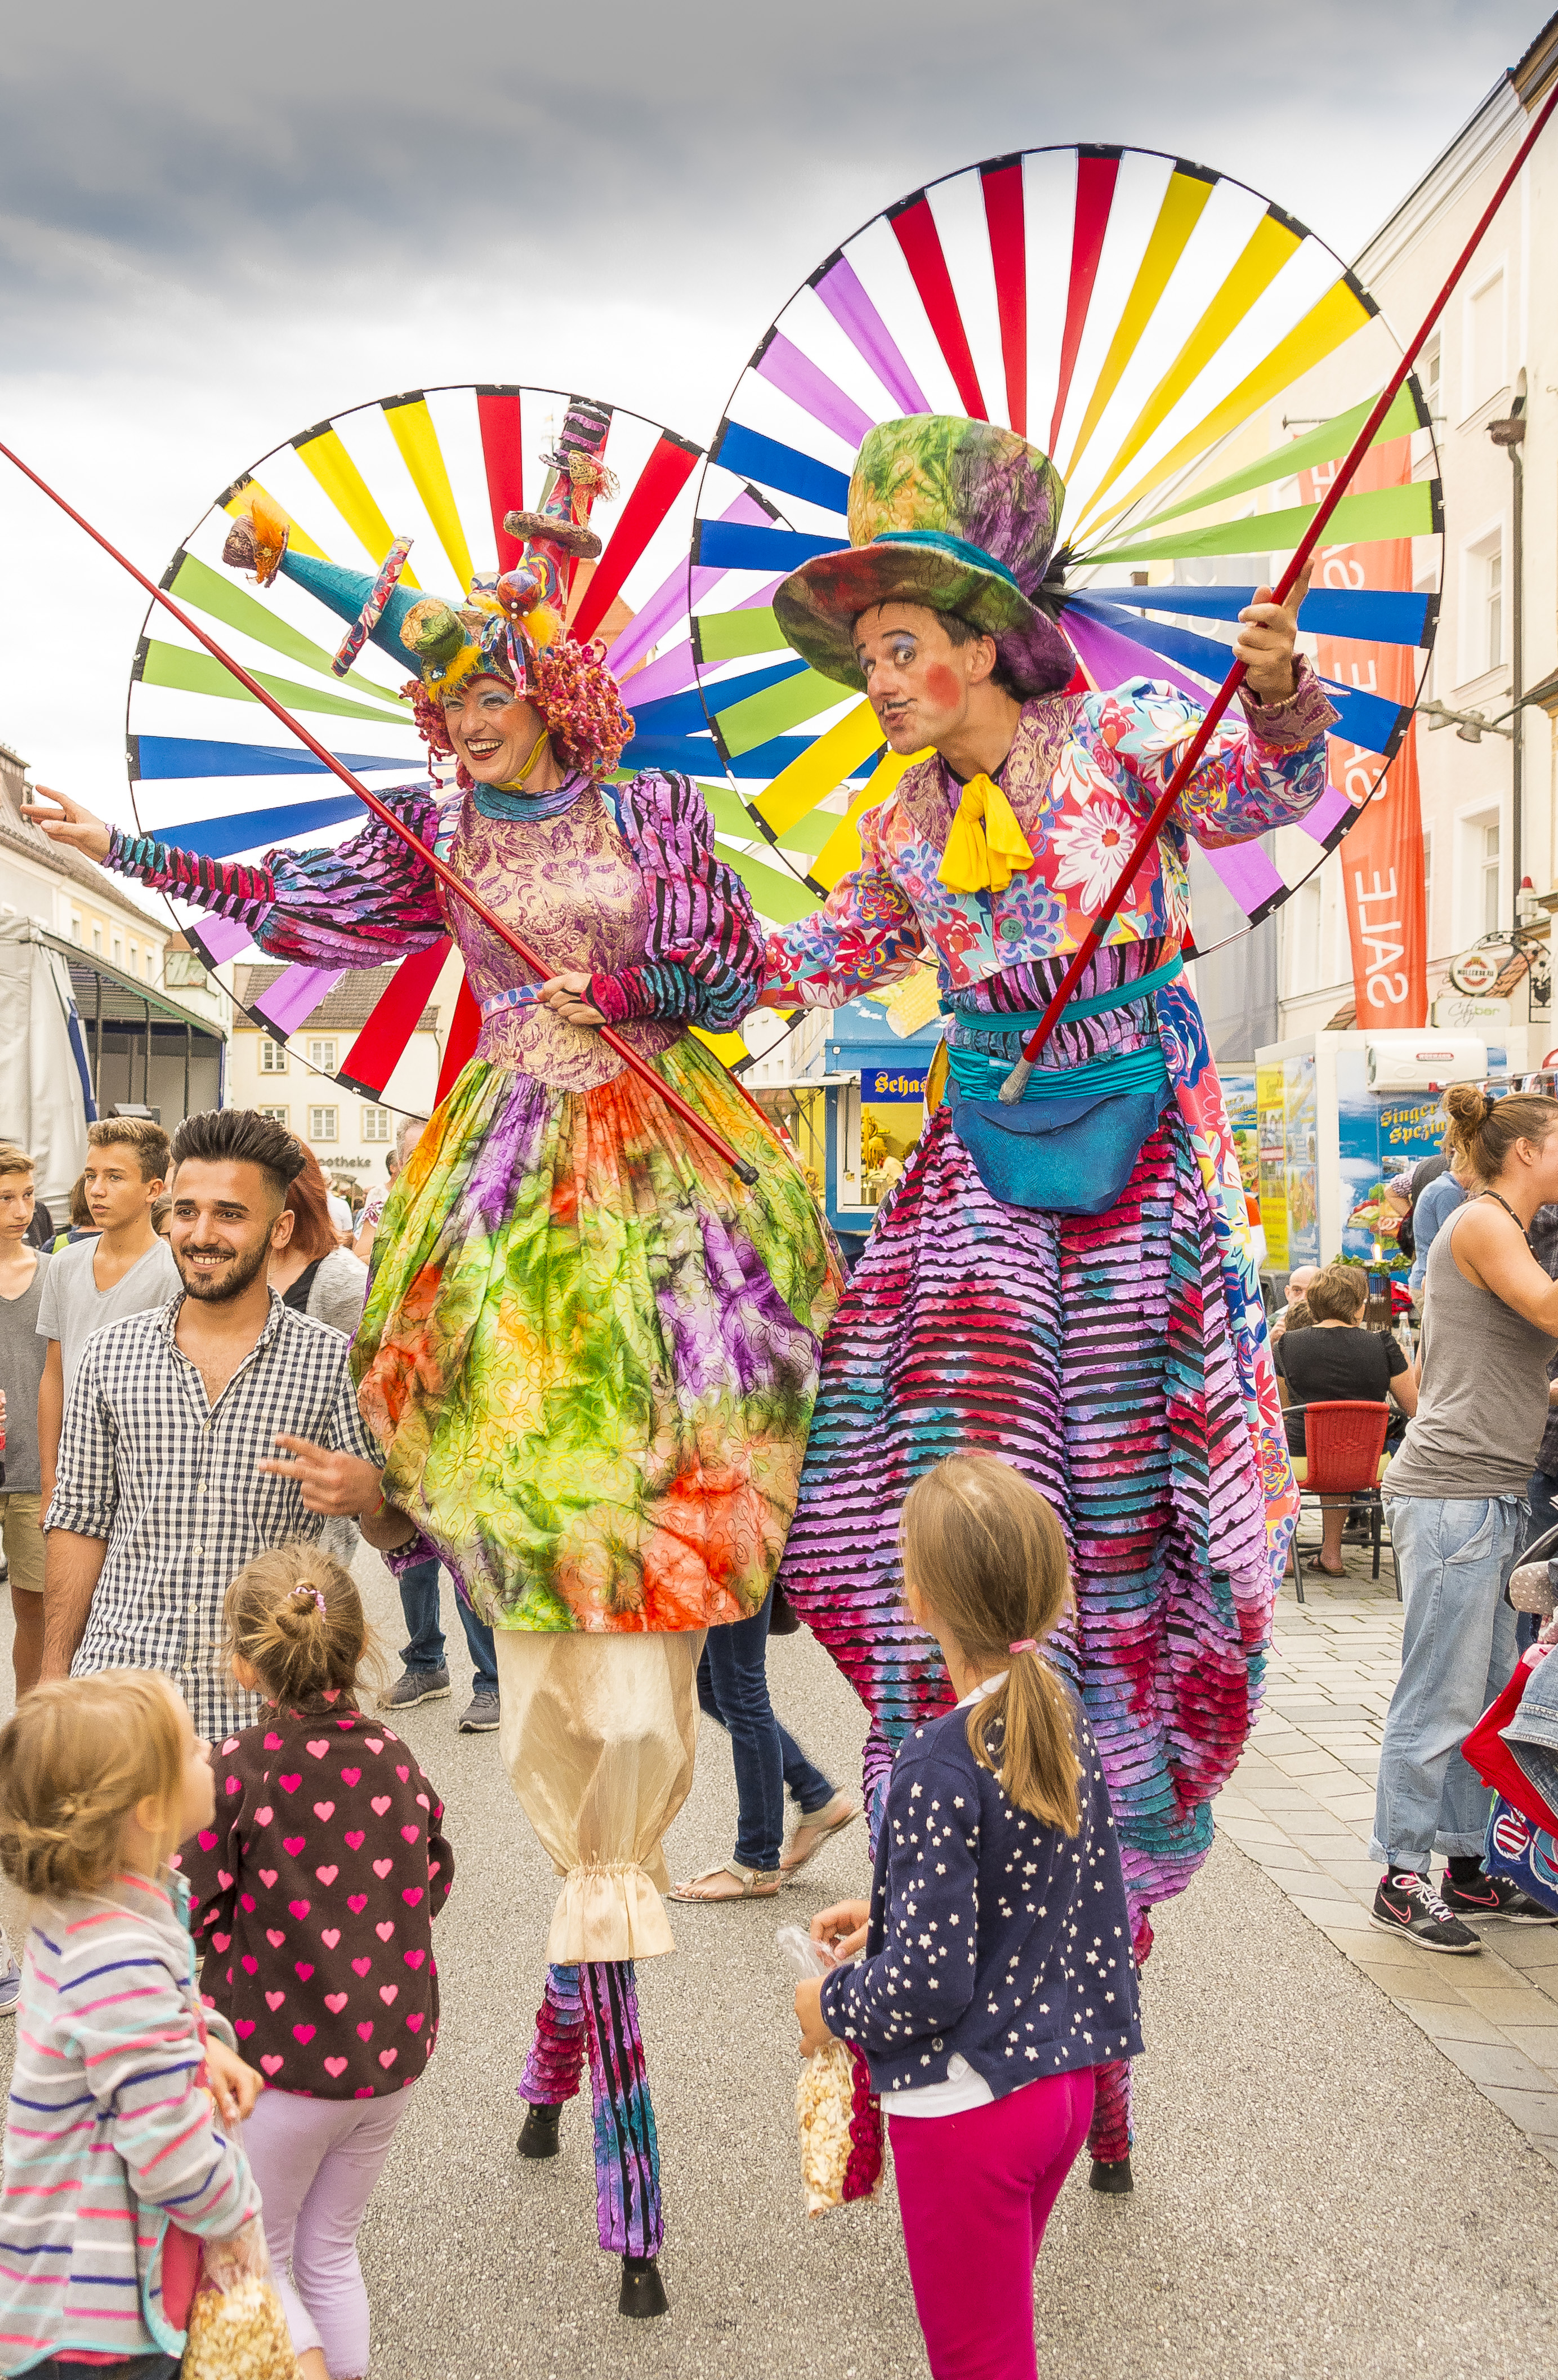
590,1353
1066,1283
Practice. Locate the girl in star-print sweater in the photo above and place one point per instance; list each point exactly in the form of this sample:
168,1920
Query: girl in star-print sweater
997,1972
313,1892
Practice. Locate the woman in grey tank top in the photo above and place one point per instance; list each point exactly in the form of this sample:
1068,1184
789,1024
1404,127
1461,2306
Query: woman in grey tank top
1457,1507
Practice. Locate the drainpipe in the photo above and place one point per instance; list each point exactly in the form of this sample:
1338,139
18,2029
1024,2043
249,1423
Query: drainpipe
1511,433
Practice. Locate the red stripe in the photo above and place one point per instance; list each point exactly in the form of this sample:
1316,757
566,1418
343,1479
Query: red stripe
659,483
379,1048
917,236
1009,254
462,1036
502,452
1096,196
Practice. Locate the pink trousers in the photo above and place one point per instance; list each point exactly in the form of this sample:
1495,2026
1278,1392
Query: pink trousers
975,2191
316,2162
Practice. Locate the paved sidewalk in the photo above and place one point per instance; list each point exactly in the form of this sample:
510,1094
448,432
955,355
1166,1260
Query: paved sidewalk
1301,1807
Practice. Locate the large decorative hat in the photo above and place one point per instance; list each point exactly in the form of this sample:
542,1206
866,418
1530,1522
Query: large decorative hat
509,626
958,515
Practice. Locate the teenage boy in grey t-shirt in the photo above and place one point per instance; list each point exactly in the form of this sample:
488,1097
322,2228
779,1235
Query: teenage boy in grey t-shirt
126,1269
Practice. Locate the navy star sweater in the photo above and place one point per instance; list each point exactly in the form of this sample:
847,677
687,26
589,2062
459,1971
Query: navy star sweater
992,1936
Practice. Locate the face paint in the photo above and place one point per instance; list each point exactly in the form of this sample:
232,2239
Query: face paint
943,684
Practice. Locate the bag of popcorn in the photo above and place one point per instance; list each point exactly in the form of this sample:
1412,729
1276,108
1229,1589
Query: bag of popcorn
838,2114
237,2327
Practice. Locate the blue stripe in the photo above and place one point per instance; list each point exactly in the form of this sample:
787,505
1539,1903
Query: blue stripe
219,838
1367,720
699,756
109,1967
1374,615
728,545
195,756
683,715
752,456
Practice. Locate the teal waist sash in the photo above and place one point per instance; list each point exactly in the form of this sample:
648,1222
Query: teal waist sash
1069,1146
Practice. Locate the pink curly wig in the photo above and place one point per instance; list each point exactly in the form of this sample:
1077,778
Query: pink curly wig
575,693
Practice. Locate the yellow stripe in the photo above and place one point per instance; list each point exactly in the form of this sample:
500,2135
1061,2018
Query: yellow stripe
410,427
298,537
327,459
1265,252
841,852
1178,217
729,1047
797,790
1335,319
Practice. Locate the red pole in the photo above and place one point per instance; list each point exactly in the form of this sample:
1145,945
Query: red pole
386,816
1015,1082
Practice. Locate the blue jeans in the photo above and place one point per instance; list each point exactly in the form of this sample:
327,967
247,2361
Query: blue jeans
419,1602
1457,1653
733,1688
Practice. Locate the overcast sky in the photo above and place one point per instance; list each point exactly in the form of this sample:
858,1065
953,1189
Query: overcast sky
219,223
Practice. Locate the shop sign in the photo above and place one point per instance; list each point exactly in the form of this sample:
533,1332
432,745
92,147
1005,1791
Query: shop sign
892,1082
1477,971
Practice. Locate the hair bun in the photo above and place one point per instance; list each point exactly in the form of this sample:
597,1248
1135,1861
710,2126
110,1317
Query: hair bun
1469,1104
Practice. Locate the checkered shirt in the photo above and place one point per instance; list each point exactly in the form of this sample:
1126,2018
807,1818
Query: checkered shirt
171,1482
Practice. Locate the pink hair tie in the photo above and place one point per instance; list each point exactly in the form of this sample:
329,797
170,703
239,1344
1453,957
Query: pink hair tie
1024,1645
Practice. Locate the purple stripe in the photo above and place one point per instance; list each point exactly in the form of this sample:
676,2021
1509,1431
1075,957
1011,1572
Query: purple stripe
795,376
1327,813
1248,873
222,938
668,604
1111,659
841,293
296,995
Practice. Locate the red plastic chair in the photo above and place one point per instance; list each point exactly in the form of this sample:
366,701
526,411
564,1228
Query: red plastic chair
1343,1439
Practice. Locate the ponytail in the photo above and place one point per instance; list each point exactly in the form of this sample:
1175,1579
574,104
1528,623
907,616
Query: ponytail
987,1553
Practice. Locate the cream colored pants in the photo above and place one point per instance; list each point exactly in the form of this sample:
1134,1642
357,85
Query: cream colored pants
598,1734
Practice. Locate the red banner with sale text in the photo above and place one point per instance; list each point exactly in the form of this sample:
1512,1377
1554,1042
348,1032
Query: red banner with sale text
1381,855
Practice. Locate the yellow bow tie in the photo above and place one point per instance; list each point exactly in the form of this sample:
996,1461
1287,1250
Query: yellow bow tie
987,846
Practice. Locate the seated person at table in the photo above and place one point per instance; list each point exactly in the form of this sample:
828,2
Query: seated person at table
1337,1359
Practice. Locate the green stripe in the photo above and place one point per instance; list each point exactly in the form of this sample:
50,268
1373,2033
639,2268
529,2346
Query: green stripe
205,590
1357,520
200,674
725,636
789,704
780,899
1332,439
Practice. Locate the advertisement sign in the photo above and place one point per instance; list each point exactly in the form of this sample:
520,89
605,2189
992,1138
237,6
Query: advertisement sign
1377,1137
1271,1128
1383,857
892,1082
1301,1161
1239,1099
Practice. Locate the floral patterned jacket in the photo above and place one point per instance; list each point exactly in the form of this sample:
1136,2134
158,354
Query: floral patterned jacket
1082,776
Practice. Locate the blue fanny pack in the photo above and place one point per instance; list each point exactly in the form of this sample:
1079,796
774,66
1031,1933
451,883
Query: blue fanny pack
1070,1144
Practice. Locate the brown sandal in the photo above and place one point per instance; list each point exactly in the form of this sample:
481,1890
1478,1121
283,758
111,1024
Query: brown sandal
757,1884
822,1829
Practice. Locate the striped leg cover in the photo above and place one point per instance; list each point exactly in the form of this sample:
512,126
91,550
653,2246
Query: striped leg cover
557,2053
627,2162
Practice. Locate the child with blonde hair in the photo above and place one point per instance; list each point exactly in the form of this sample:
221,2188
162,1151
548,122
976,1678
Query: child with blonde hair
109,2134
997,1970
315,1888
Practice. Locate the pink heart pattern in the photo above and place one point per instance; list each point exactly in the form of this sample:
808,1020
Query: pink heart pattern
302,2015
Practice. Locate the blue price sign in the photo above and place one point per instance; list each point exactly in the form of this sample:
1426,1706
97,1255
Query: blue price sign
892,1082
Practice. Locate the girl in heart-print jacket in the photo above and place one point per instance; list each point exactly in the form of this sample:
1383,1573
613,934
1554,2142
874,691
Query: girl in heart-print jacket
315,1888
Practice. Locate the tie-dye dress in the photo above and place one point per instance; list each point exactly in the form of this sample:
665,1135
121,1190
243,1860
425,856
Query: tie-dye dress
588,1353
1119,1361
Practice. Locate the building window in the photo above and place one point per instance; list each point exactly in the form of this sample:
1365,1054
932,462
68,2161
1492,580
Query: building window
75,931
1488,877
118,949
1484,343
1481,874
322,1055
1493,606
97,939
272,1057
151,971
376,1123
277,1115
322,1123
135,960
1432,384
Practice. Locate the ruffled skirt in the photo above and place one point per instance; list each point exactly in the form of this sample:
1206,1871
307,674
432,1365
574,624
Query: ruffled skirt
590,1353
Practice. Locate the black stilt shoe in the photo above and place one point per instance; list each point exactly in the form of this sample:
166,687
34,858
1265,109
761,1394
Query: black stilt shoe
538,2136
643,2291
1113,2179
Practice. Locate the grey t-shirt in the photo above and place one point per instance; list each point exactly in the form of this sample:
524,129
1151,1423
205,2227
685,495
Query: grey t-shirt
1482,1390
21,1370
73,1306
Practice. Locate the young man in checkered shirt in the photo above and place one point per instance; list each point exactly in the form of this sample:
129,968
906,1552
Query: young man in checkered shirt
200,1434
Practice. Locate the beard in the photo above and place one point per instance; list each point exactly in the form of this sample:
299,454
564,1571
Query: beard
219,1289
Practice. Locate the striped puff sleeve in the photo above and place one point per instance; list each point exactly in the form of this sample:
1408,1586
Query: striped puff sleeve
368,900
703,961
866,935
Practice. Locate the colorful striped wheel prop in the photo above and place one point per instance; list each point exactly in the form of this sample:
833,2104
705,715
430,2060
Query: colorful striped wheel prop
1194,361
211,771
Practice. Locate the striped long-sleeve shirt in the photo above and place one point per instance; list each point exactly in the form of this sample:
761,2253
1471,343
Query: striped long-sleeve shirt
108,2137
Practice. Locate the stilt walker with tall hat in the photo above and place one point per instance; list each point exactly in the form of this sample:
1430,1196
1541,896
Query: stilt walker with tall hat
1065,1282
590,1350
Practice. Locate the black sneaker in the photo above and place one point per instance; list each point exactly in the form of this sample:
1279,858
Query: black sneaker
482,1713
414,1686
1495,1896
1408,1904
